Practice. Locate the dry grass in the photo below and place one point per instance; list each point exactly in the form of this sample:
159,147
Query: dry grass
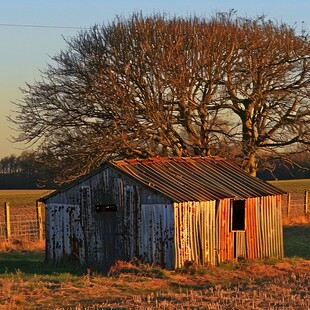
296,213
247,285
296,220
22,245
26,282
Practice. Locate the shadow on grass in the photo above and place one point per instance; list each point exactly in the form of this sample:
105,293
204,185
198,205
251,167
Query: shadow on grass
297,241
33,262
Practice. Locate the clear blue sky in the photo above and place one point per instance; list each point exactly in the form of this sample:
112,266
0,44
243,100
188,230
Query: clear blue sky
25,50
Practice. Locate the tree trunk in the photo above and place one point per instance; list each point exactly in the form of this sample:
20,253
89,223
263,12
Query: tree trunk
249,139
250,164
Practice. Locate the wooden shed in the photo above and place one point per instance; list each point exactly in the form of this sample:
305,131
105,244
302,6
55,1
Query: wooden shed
165,211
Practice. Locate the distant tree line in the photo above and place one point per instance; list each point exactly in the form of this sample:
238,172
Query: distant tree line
25,171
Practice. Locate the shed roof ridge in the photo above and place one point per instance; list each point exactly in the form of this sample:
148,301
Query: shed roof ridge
196,178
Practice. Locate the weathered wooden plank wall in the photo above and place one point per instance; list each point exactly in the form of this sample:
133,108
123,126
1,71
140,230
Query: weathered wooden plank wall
88,225
156,234
64,233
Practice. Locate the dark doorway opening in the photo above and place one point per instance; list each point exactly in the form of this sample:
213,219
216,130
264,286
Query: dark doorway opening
238,215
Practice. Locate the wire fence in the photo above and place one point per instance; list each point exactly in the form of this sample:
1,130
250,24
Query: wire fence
28,223
295,205
22,223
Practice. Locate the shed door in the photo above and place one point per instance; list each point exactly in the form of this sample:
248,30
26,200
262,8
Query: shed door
109,238
238,228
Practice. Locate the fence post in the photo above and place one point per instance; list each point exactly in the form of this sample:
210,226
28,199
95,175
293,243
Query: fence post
39,219
7,216
288,204
306,202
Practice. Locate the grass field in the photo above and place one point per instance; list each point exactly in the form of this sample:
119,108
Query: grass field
297,241
27,282
24,198
293,186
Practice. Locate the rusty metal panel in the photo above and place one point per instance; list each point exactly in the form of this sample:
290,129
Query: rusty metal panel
207,223
252,233
239,244
65,234
195,237
273,226
264,235
225,241
156,234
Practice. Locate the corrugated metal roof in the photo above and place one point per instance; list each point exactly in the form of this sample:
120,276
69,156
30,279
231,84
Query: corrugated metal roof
195,178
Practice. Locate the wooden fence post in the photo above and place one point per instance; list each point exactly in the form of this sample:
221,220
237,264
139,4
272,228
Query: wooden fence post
288,204
306,202
7,216
40,220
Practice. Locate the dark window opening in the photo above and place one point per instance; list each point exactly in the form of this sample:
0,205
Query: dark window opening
238,215
106,208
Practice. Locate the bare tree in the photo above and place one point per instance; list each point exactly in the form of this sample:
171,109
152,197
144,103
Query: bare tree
157,85
267,87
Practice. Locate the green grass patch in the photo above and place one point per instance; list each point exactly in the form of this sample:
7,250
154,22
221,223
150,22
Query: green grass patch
32,263
297,241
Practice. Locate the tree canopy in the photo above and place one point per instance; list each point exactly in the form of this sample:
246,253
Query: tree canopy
160,85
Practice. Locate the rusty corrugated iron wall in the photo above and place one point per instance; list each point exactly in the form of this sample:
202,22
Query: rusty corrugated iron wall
264,227
203,231
194,233
223,234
